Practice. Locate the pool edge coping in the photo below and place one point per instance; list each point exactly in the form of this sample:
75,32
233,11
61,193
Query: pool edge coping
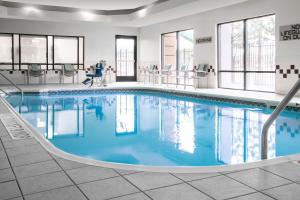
246,100
168,169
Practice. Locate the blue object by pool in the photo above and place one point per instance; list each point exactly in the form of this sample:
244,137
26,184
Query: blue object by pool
157,129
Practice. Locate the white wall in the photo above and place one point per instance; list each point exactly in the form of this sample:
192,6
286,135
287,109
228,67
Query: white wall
205,24
99,38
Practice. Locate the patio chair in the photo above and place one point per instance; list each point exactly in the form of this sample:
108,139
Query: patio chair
183,73
35,70
152,71
98,75
166,68
184,68
69,71
166,71
201,72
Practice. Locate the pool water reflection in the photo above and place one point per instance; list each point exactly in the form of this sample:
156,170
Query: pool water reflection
157,129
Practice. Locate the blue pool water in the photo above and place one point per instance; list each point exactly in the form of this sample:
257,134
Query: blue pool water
157,129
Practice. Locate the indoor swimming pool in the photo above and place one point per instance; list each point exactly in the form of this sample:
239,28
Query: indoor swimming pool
155,128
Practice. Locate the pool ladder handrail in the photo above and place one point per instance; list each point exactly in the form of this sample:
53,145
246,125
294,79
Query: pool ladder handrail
13,84
281,106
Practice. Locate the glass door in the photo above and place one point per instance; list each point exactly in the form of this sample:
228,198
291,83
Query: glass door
126,55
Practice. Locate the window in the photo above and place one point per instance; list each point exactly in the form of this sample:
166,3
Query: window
6,48
186,48
170,50
247,54
177,51
33,49
16,48
19,50
65,50
50,50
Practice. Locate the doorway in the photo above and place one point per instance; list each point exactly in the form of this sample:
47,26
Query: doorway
126,58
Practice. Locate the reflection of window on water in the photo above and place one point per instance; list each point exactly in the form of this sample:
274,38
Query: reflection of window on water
178,125
58,126
64,117
125,116
239,136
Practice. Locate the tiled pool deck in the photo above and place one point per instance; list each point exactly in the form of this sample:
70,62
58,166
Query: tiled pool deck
28,171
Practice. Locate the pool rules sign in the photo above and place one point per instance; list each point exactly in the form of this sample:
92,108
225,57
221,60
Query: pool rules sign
290,32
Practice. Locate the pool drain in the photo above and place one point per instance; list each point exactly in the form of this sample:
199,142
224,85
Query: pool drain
14,127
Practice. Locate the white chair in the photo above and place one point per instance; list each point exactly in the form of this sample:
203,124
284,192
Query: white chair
166,72
201,76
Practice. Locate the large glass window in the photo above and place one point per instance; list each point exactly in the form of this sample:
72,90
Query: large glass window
247,54
169,43
19,50
170,50
66,50
33,49
16,55
50,50
186,48
260,53
5,48
231,55
178,52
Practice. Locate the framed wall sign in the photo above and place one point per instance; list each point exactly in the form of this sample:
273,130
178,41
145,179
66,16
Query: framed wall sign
203,40
290,32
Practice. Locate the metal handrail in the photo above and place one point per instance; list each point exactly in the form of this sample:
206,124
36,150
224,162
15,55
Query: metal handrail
282,105
3,91
12,83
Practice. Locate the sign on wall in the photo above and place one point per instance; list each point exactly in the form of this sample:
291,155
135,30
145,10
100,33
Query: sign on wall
290,32
203,40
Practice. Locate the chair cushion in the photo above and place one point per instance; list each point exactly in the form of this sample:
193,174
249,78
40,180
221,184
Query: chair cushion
35,70
184,67
34,67
68,67
167,67
69,70
203,67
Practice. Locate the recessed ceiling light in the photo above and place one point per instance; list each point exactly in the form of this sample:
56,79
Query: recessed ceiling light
87,15
31,9
142,13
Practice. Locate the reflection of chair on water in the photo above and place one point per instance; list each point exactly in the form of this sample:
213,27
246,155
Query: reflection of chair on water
34,105
205,112
69,104
97,105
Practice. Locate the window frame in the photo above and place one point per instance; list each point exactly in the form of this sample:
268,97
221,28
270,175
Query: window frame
12,50
47,64
177,45
244,71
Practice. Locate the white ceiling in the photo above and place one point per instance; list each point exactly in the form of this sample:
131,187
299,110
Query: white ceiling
164,11
91,4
